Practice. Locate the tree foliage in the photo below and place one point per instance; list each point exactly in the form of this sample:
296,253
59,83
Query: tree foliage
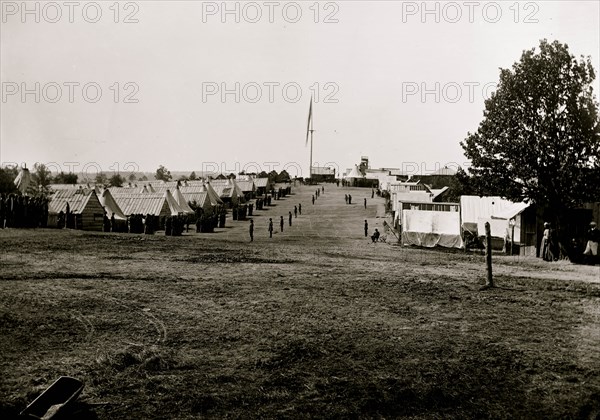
539,140
41,175
163,174
63,178
283,176
101,179
7,180
116,180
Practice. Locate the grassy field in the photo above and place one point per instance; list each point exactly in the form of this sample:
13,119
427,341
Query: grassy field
316,322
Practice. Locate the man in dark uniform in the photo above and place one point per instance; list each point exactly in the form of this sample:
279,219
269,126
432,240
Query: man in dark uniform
290,219
300,209
251,230
281,222
313,200
365,202
295,211
270,228
366,229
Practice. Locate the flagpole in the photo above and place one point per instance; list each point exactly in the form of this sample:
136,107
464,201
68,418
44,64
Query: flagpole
310,128
311,152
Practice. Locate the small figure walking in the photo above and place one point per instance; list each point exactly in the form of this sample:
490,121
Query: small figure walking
270,228
365,202
290,218
313,200
300,209
251,230
349,199
346,198
295,211
281,222
366,229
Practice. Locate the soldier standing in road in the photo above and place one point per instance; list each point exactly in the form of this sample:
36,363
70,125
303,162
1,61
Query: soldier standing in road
300,209
290,219
251,230
365,202
270,228
295,211
366,229
313,200
281,224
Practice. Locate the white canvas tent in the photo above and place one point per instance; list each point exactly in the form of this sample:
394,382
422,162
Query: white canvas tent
110,205
182,201
431,224
476,211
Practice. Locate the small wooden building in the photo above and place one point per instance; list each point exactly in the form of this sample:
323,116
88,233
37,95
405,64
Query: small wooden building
76,209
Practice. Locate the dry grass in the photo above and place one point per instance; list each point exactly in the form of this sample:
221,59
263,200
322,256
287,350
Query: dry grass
315,323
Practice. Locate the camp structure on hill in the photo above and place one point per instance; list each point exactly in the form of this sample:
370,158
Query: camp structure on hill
431,224
83,206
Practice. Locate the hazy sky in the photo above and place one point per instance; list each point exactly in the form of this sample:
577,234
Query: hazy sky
162,75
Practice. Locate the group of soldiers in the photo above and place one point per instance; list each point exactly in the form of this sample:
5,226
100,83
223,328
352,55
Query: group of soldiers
586,253
18,211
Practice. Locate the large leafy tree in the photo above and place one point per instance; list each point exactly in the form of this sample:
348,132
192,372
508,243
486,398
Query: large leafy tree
539,140
116,180
163,174
42,175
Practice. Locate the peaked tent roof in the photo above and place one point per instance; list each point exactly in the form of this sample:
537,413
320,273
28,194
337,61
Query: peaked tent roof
354,173
182,201
110,205
173,205
23,180
215,200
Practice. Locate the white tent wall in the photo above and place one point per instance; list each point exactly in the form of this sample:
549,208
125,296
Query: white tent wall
399,197
431,228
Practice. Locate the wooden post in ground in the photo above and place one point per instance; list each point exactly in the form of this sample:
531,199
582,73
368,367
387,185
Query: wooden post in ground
488,255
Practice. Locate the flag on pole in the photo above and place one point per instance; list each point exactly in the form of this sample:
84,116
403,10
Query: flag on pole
309,126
